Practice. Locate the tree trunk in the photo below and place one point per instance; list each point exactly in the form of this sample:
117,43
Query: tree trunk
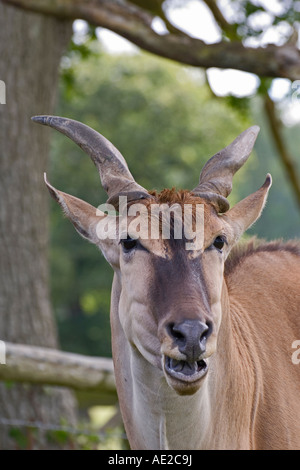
31,47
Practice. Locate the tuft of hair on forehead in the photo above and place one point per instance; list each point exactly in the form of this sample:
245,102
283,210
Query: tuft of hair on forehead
174,196
182,198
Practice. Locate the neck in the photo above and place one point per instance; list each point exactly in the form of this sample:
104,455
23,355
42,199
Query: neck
172,421
156,417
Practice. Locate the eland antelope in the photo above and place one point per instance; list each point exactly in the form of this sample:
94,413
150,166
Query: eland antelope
202,338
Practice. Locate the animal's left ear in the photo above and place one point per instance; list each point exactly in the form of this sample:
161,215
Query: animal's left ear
247,211
91,223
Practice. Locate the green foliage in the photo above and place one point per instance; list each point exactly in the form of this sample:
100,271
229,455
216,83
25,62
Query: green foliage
84,437
246,10
243,105
264,86
20,437
59,437
8,384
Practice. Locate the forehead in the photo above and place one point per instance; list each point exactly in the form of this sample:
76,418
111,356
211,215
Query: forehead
165,225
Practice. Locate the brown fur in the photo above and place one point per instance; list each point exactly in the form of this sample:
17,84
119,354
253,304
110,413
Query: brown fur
174,196
246,249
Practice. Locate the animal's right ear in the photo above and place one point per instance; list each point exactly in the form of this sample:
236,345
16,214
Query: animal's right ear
91,223
247,211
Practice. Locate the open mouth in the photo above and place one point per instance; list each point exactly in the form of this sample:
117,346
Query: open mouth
185,371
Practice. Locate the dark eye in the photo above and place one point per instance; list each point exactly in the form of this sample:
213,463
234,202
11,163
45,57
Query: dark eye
128,244
219,243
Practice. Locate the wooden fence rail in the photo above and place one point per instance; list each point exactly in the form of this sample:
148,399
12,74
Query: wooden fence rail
36,365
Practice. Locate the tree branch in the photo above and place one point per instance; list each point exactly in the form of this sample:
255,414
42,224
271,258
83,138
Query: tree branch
37,365
228,28
285,157
156,8
134,24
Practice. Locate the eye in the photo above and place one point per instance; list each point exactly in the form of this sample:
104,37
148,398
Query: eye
219,243
128,244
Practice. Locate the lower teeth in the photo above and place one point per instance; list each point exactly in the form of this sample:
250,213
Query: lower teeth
186,368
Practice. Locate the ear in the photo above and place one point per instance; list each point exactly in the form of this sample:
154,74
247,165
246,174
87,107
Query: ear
247,211
91,223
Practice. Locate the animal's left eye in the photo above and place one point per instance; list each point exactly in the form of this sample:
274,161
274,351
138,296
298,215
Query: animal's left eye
219,243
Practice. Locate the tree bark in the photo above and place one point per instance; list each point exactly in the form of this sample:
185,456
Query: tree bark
31,48
135,24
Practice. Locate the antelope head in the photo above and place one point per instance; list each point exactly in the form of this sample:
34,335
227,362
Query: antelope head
170,295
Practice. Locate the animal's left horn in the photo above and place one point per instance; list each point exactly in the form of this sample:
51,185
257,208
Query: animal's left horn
215,182
114,173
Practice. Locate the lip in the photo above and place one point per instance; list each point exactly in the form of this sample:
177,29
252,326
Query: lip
184,371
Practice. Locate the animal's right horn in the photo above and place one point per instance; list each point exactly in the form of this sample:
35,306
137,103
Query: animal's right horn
215,182
114,173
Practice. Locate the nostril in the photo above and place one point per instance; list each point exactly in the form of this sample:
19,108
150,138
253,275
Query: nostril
175,332
207,330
